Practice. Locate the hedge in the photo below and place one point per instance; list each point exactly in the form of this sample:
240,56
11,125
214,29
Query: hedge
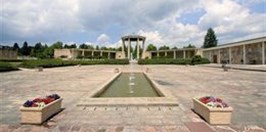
6,66
179,61
47,63
164,61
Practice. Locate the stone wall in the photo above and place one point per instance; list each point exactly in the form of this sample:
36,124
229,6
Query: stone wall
119,55
265,53
8,54
58,53
210,55
237,55
254,53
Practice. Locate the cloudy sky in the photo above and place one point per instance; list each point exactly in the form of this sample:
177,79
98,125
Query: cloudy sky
171,22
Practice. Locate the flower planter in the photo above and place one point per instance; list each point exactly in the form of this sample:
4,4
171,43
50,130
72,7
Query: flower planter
37,115
214,116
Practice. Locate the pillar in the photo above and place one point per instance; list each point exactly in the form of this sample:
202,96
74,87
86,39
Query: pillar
244,54
184,54
174,54
83,52
158,54
143,48
263,53
128,49
219,56
165,53
230,55
137,48
123,46
109,55
101,53
92,53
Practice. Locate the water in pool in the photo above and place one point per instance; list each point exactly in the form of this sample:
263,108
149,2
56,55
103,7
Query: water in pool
130,85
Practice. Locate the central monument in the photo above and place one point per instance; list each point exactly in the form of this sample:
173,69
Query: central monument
129,39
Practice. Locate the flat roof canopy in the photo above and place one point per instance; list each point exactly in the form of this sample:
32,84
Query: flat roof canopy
133,38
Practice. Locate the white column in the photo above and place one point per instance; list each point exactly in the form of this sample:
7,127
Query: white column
123,46
174,54
165,53
143,48
83,54
128,49
244,54
108,55
219,57
263,53
230,56
158,54
137,48
184,54
92,53
101,53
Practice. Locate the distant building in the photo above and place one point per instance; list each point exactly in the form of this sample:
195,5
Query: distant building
7,53
250,51
86,53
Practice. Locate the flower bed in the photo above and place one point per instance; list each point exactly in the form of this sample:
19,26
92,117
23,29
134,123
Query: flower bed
213,110
40,109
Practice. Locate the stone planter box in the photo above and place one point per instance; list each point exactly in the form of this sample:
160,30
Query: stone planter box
214,116
36,115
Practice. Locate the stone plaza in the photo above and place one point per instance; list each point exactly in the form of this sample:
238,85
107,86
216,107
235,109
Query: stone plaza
243,90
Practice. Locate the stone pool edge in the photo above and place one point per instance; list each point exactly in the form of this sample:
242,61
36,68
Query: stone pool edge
167,100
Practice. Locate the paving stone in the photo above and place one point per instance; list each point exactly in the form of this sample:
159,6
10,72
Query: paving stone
243,90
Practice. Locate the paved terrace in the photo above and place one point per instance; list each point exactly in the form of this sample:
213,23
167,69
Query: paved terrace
244,90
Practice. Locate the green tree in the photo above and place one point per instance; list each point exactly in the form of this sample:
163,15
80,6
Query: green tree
38,50
83,46
210,39
90,47
174,47
73,46
70,46
16,47
164,47
104,48
25,49
49,52
190,46
151,47
97,47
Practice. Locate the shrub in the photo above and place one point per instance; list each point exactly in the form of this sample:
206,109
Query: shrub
165,61
178,61
46,63
6,66
58,62
197,59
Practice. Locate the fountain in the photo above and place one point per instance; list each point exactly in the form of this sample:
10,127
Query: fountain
131,79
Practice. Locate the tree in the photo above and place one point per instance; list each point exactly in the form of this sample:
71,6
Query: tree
90,47
83,46
174,48
25,49
164,47
97,47
190,46
104,48
16,47
49,52
210,39
37,50
57,45
151,47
